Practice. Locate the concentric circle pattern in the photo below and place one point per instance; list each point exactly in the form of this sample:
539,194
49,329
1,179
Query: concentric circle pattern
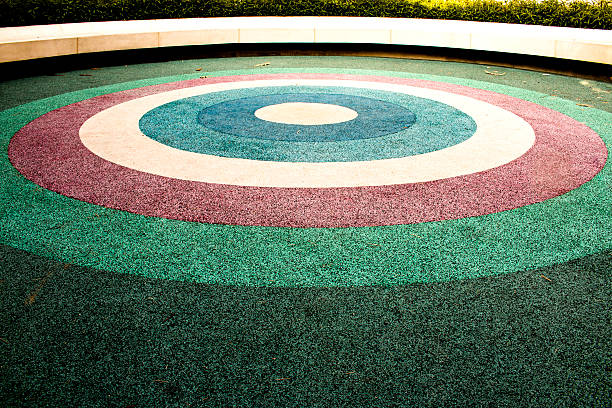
292,156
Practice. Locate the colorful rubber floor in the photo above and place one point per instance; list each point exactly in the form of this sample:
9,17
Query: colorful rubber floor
306,231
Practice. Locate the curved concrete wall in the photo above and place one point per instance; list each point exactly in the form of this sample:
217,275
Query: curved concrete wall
23,43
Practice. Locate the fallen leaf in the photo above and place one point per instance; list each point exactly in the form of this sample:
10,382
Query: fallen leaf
263,64
496,73
30,299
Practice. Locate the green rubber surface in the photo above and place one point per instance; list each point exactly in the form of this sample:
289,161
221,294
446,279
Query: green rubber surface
533,333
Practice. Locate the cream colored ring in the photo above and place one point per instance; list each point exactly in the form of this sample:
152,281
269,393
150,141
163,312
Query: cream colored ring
500,137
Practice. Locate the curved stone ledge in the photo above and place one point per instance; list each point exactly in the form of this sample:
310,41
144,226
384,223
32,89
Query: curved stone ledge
23,43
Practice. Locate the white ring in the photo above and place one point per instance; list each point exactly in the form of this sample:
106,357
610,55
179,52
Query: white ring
500,137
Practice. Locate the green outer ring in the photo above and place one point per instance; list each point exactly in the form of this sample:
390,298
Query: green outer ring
554,231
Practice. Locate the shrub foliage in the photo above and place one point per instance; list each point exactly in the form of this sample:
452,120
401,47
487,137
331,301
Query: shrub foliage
548,12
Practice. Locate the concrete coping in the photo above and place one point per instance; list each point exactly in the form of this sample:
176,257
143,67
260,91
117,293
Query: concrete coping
31,42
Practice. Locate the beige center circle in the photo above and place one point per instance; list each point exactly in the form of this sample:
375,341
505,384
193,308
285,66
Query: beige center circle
305,113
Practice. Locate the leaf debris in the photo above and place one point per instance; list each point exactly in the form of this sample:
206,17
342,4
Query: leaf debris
496,73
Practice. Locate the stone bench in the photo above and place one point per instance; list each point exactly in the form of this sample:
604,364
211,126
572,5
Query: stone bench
24,43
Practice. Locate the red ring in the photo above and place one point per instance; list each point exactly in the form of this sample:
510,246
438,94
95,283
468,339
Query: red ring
566,154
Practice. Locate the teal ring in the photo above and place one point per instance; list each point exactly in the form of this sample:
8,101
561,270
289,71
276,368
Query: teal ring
436,126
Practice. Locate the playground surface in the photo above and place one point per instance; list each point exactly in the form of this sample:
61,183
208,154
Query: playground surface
305,231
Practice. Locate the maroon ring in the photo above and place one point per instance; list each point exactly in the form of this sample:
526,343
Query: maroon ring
566,154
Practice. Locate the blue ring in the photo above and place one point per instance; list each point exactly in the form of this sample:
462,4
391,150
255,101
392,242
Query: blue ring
375,118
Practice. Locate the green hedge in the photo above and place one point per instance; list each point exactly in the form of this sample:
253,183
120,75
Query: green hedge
547,12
